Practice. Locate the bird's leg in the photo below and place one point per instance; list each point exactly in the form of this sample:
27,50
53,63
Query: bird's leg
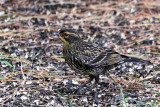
90,79
96,92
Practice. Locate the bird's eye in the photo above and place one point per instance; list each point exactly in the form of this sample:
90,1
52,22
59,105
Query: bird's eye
66,35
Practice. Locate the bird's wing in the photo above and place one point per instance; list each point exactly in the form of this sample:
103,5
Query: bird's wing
93,55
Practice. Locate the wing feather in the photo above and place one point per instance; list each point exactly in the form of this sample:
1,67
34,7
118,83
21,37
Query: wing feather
93,55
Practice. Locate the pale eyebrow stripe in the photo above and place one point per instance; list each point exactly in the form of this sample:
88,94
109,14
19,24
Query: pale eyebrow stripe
68,32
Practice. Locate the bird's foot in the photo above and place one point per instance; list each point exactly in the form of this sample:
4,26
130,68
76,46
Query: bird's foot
77,91
95,99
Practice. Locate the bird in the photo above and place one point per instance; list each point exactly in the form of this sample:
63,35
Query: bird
87,58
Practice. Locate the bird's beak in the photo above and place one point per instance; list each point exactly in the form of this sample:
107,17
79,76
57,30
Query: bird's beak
60,38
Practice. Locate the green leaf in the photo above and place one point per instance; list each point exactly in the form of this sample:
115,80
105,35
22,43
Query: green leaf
7,63
1,54
124,99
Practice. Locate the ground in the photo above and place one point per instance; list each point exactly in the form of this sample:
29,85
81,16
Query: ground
33,71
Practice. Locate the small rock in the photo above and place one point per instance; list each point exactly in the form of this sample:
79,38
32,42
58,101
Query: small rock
24,97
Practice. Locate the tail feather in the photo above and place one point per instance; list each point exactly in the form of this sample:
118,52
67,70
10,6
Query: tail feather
134,59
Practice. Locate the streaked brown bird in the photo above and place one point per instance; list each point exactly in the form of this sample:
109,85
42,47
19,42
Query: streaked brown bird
90,59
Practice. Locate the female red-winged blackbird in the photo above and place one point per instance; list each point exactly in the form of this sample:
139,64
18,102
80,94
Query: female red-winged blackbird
90,59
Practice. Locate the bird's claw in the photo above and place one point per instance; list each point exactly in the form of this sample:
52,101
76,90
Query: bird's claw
77,91
96,100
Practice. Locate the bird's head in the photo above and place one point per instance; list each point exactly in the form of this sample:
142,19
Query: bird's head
68,36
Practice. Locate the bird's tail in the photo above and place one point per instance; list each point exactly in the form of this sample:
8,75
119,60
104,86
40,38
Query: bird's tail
134,59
